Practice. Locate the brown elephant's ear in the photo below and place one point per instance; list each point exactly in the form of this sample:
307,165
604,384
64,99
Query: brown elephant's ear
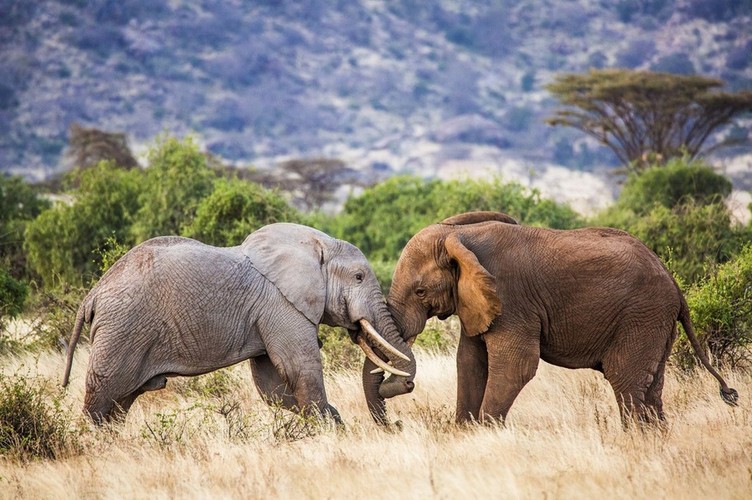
477,301
291,256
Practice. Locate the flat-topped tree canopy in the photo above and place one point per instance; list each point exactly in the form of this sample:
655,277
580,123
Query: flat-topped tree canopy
643,116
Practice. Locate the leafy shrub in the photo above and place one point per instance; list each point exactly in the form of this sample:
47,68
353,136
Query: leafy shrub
721,309
234,209
338,352
167,430
19,203
177,179
384,217
440,336
672,184
13,295
678,212
55,315
696,237
216,384
33,422
384,269
66,242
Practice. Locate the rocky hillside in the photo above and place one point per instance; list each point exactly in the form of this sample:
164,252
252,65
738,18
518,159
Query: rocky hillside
445,88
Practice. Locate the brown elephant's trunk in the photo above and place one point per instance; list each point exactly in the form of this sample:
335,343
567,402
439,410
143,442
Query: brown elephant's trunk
400,359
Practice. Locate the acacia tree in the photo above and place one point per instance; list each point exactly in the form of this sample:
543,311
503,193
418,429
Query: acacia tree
311,181
88,146
644,116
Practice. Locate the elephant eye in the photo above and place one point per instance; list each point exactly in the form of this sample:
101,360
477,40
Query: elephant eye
359,277
420,292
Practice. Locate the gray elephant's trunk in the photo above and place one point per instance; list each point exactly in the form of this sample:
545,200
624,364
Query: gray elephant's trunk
377,388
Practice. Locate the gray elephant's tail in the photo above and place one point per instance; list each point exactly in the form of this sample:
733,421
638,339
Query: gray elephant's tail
729,395
84,315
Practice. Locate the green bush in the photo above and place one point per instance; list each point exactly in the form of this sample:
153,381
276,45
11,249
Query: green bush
19,203
13,294
66,242
338,352
440,336
678,212
721,309
384,218
675,183
234,209
696,237
177,179
33,422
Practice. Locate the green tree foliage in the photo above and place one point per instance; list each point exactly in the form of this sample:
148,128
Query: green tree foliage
680,180
19,203
678,212
65,243
721,308
13,294
382,220
643,116
694,238
177,179
234,209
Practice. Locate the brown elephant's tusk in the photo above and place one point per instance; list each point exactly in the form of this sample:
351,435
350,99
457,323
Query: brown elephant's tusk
376,370
377,361
380,340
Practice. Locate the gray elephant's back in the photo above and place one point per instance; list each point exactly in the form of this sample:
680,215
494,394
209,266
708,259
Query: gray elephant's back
195,301
177,274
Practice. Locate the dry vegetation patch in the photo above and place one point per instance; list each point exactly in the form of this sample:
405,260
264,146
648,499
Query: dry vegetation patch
213,436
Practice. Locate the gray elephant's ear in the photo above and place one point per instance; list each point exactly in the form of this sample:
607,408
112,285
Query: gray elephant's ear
477,301
291,256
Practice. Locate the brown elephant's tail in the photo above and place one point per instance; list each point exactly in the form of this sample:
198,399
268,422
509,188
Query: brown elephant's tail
84,315
729,395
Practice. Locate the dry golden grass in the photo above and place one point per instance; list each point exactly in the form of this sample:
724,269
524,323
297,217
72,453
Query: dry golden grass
563,439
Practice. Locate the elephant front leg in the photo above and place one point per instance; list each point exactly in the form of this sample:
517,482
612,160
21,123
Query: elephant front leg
296,362
472,377
512,363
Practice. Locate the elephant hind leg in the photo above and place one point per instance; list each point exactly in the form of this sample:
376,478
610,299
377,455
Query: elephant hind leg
638,387
104,405
637,375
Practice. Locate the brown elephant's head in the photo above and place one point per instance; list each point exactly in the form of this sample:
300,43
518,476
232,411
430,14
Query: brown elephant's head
439,275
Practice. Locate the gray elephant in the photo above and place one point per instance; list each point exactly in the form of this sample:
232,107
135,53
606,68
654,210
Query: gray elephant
587,298
174,306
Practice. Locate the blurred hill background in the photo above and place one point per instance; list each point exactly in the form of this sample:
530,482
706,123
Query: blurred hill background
448,88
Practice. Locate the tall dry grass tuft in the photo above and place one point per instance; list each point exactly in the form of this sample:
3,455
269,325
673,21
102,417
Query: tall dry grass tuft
213,436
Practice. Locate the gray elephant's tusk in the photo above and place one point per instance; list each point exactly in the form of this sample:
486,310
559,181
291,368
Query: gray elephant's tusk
380,340
376,370
377,361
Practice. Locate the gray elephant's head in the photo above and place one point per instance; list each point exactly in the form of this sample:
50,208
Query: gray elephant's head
330,281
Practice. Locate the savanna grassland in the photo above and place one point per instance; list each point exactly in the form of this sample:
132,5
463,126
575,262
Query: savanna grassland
213,437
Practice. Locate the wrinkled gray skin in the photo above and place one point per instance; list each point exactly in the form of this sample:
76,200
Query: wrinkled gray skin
587,298
174,306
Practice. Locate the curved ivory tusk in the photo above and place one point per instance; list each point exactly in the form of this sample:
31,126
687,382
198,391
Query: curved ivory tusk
380,340
376,370
377,361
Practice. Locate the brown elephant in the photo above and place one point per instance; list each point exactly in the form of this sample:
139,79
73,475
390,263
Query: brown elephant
585,298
